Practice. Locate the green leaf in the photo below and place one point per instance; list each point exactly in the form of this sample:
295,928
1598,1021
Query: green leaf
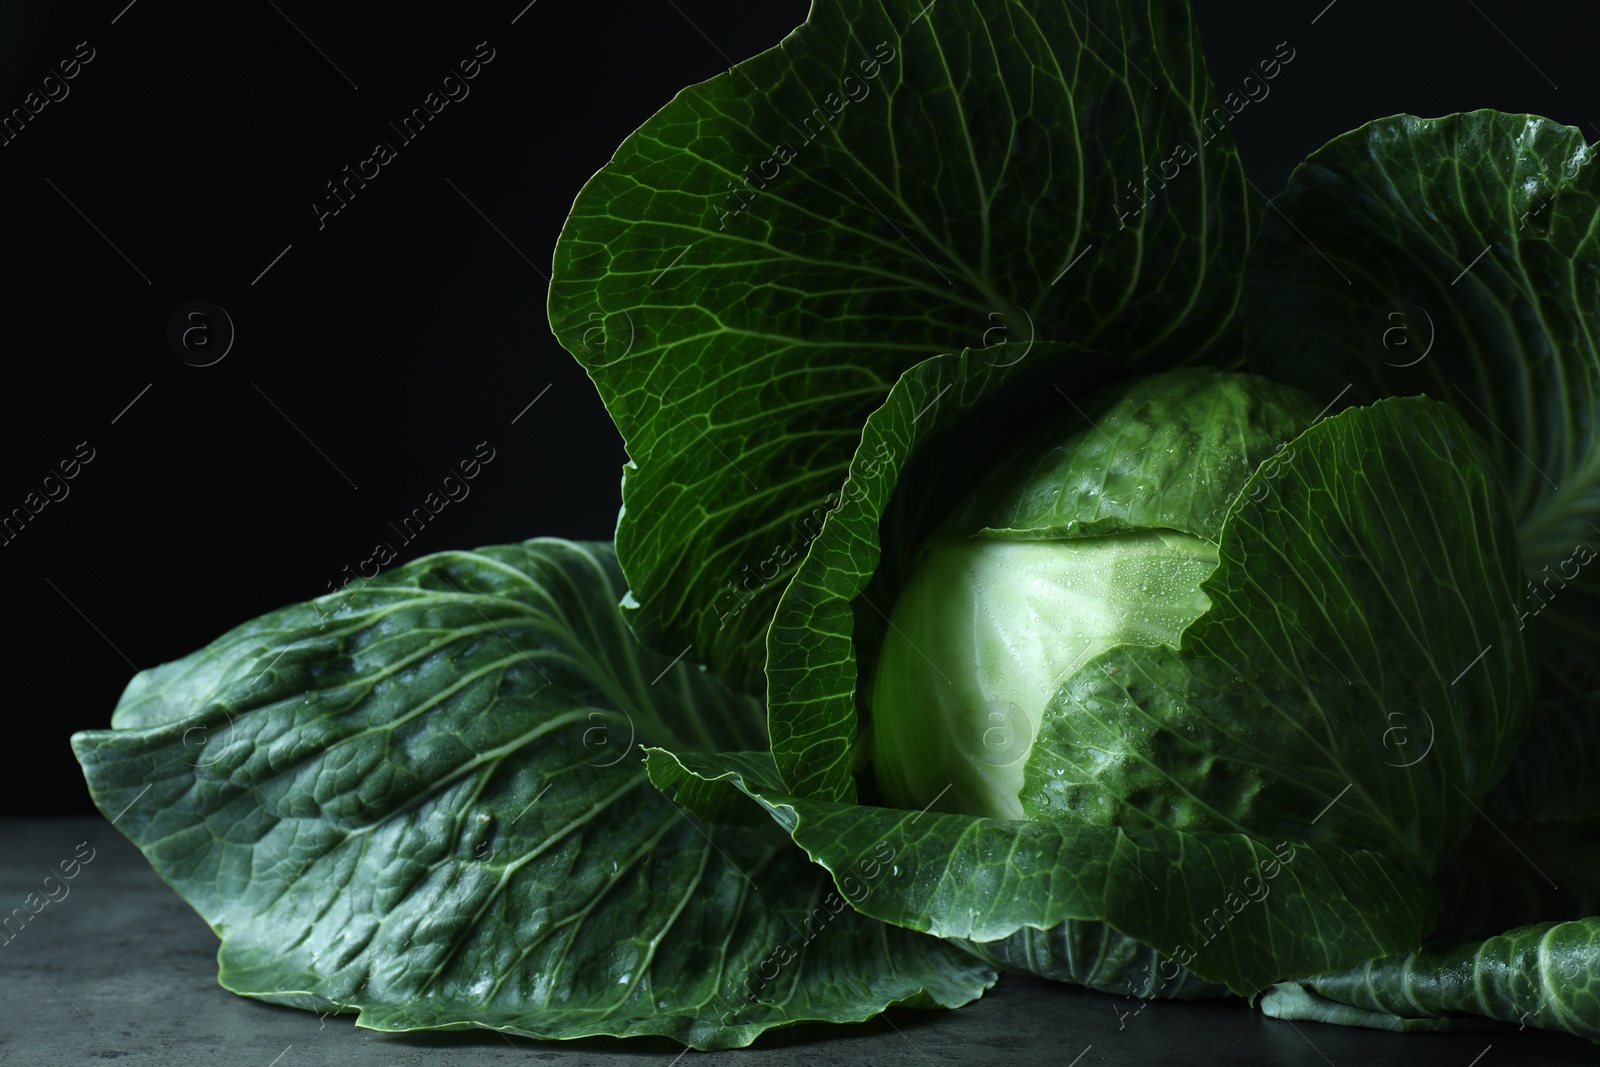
1459,257
1546,975
758,264
1357,678
1228,908
420,799
1083,952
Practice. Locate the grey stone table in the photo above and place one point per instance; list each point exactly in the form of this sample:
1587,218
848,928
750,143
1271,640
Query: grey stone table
121,970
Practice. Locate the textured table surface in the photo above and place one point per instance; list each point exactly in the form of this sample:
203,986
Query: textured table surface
121,970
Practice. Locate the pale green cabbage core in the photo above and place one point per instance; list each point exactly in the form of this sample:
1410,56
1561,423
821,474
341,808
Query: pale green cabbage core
985,633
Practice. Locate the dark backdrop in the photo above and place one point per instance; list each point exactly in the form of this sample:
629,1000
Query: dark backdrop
377,348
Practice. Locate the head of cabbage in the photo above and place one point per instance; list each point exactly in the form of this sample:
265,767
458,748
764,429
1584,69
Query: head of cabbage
1192,605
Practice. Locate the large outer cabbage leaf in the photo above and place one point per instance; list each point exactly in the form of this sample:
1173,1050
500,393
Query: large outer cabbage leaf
422,799
1460,257
758,264
1162,913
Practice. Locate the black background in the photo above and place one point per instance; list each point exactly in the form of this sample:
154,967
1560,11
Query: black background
381,348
